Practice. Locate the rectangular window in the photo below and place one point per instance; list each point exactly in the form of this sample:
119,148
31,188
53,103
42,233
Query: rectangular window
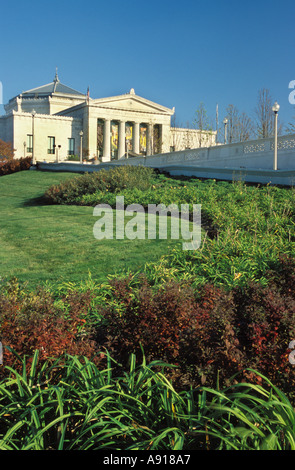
29,143
71,146
51,145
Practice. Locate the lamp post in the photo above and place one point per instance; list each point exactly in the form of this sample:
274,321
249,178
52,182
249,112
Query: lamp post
58,147
25,149
275,109
33,137
81,146
225,121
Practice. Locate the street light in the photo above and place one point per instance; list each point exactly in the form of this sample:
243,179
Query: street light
225,121
81,143
275,109
58,147
33,136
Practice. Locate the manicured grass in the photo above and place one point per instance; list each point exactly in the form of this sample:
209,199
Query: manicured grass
249,228
41,242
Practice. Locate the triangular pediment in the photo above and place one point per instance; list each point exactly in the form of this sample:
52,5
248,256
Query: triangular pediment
131,102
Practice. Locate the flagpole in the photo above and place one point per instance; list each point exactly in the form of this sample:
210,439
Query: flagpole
217,122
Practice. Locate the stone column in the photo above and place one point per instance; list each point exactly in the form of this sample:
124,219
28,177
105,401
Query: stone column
92,137
122,138
149,141
106,141
136,137
164,138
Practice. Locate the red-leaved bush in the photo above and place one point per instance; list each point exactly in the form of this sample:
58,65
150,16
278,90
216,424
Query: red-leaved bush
208,333
31,321
14,165
194,332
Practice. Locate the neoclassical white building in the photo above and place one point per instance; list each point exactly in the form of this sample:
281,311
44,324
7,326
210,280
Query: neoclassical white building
54,122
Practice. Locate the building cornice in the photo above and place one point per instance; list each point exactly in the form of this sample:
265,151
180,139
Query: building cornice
43,116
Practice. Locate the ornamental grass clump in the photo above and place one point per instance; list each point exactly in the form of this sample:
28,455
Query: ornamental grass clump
247,416
71,404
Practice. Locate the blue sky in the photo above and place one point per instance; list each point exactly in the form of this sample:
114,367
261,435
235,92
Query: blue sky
174,53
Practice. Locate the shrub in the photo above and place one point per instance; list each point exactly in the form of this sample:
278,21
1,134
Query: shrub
73,158
146,318
266,324
6,150
31,320
112,180
171,323
14,165
210,333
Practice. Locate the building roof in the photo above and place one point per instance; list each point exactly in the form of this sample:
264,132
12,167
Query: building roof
54,87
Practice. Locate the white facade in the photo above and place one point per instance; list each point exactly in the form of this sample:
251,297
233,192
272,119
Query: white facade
54,122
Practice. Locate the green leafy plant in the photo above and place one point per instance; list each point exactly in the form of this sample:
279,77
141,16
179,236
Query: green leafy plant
72,404
248,416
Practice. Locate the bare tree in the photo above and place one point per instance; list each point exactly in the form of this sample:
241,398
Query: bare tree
176,140
265,115
290,128
245,128
202,122
232,115
239,125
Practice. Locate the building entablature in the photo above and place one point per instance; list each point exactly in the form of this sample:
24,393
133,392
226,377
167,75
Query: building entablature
132,102
126,107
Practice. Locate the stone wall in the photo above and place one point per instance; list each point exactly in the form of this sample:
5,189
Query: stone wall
251,154
279,177
250,161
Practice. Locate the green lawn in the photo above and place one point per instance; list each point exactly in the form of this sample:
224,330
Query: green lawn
42,242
